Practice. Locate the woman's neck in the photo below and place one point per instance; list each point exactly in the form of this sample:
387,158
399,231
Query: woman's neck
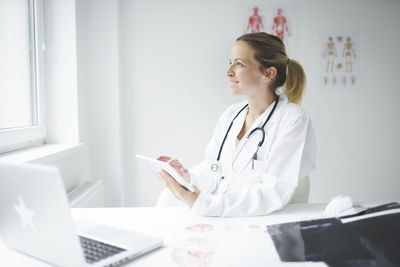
258,105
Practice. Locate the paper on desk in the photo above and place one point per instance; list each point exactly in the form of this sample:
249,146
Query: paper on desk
245,249
251,249
201,243
223,243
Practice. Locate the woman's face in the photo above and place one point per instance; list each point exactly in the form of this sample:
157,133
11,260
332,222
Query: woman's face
245,76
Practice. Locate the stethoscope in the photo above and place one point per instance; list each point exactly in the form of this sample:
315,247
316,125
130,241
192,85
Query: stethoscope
216,166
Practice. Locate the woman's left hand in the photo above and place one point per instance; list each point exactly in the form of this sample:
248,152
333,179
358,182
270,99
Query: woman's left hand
179,191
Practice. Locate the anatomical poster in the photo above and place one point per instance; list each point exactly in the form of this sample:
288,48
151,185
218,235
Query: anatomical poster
339,60
254,19
279,20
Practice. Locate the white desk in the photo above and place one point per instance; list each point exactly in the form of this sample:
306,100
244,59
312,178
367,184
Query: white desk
191,240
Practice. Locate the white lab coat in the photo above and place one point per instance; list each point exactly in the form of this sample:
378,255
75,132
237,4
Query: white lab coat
288,154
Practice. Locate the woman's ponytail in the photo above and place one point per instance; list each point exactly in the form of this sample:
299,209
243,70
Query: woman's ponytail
295,81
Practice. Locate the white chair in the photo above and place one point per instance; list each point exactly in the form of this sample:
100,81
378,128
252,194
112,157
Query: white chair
301,192
300,195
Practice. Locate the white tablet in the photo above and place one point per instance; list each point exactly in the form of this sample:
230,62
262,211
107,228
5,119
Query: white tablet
155,166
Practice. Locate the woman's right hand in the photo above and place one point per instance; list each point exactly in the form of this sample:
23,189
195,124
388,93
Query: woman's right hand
177,166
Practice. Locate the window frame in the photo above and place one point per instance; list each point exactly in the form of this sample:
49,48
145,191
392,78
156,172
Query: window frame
21,137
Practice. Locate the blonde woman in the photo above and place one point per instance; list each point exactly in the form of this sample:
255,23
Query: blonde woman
260,148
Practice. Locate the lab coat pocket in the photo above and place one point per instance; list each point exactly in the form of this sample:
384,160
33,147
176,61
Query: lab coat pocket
259,166
254,171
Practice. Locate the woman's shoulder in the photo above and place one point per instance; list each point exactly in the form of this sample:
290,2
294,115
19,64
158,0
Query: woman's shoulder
292,112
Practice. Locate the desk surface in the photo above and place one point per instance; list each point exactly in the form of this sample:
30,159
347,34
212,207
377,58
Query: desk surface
191,240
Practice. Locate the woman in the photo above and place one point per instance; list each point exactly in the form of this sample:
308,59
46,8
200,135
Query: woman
260,147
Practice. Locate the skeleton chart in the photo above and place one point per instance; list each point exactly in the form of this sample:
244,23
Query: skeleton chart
339,61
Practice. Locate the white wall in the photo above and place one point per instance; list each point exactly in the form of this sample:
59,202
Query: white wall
61,93
357,130
99,93
173,56
173,60
61,71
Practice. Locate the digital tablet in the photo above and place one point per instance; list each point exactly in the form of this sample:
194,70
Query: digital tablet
155,166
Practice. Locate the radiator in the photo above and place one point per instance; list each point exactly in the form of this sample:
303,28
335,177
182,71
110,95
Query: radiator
87,195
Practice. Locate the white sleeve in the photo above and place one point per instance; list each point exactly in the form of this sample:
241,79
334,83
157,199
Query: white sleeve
292,155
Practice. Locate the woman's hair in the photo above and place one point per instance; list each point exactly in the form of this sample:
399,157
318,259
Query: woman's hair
270,52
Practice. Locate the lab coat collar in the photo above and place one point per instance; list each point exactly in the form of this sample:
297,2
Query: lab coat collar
283,100
236,146
261,119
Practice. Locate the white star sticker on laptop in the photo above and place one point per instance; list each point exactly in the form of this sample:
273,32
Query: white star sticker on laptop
26,215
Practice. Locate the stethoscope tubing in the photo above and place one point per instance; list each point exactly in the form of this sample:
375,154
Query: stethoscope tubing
227,132
256,129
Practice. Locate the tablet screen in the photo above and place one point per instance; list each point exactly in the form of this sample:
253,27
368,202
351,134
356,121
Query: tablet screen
155,166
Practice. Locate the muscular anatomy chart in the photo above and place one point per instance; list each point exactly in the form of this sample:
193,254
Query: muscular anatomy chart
339,60
280,25
279,20
255,22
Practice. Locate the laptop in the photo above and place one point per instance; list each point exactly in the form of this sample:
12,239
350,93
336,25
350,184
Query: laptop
36,220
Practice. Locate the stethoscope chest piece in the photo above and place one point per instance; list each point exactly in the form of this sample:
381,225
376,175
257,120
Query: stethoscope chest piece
216,167
222,186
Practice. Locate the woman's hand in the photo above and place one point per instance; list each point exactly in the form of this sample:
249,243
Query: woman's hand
179,191
177,166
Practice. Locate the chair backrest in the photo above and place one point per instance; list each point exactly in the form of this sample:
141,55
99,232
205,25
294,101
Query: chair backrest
302,191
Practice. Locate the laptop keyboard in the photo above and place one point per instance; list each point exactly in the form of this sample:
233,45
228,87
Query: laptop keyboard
96,251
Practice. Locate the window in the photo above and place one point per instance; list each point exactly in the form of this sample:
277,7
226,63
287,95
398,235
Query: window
21,89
